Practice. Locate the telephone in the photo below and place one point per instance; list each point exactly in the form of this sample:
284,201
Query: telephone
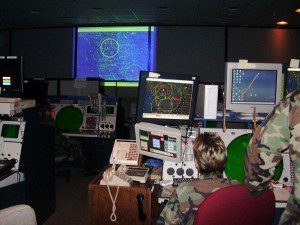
116,177
124,152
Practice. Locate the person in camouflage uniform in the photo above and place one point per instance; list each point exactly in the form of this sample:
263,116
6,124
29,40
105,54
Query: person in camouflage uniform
280,131
210,160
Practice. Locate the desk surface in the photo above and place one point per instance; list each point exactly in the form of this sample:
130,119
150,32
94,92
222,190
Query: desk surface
13,178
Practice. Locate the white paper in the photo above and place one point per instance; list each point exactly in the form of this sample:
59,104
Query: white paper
154,75
243,64
294,63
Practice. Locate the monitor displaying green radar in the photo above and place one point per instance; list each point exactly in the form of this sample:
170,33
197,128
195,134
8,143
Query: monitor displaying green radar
166,98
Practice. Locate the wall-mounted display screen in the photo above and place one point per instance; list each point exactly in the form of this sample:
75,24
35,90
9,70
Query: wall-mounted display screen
115,53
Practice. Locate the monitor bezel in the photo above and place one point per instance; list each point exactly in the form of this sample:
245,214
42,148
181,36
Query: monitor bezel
159,129
249,107
167,76
16,86
21,125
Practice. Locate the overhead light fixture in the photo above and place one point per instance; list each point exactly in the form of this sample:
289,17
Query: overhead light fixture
163,8
297,10
97,8
233,9
282,22
35,11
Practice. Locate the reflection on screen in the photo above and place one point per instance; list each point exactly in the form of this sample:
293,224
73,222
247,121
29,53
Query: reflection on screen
158,143
167,99
253,86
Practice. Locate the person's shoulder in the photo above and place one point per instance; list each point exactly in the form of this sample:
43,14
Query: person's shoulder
203,185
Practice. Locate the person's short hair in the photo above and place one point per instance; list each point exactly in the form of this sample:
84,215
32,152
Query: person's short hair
210,153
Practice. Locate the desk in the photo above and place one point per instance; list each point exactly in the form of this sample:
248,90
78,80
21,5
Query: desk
12,190
12,178
100,204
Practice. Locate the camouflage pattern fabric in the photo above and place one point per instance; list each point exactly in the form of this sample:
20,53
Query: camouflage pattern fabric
184,202
279,132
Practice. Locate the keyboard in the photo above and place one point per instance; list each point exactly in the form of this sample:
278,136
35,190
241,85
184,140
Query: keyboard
177,181
138,174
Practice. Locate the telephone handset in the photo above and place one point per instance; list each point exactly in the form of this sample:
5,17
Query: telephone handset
116,178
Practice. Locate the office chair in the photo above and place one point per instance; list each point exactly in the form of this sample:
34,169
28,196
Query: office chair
234,205
18,214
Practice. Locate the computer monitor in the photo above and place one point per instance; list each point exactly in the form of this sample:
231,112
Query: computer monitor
166,98
292,81
158,141
258,85
11,76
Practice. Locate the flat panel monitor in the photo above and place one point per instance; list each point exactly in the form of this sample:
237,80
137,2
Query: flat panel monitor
166,98
292,80
158,141
257,85
11,76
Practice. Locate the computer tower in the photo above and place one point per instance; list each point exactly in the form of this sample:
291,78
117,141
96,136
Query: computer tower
207,101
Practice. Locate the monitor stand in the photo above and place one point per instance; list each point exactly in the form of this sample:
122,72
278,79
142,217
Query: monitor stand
249,116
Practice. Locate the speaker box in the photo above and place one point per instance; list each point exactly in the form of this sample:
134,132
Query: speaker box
173,170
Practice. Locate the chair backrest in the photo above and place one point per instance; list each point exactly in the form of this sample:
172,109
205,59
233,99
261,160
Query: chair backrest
234,205
18,214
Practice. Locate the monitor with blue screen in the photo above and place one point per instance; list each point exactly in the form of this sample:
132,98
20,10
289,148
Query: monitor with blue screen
249,86
257,86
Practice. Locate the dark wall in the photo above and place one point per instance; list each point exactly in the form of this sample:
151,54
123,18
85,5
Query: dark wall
4,42
192,50
202,51
46,52
263,44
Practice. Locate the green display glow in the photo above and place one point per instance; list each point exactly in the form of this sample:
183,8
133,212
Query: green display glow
119,84
114,29
236,151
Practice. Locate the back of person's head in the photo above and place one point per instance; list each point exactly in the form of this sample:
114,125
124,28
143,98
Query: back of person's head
210,154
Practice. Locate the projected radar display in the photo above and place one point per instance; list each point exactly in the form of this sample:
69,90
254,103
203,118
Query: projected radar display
253,86
167,99
115,53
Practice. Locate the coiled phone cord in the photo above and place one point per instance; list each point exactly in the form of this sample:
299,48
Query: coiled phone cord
113,216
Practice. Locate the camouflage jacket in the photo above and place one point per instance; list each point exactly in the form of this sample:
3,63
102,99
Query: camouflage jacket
280,131
184,202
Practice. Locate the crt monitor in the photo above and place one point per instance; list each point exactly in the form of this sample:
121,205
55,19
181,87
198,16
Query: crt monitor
158,141
292,81
255,85
166,98
11,76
